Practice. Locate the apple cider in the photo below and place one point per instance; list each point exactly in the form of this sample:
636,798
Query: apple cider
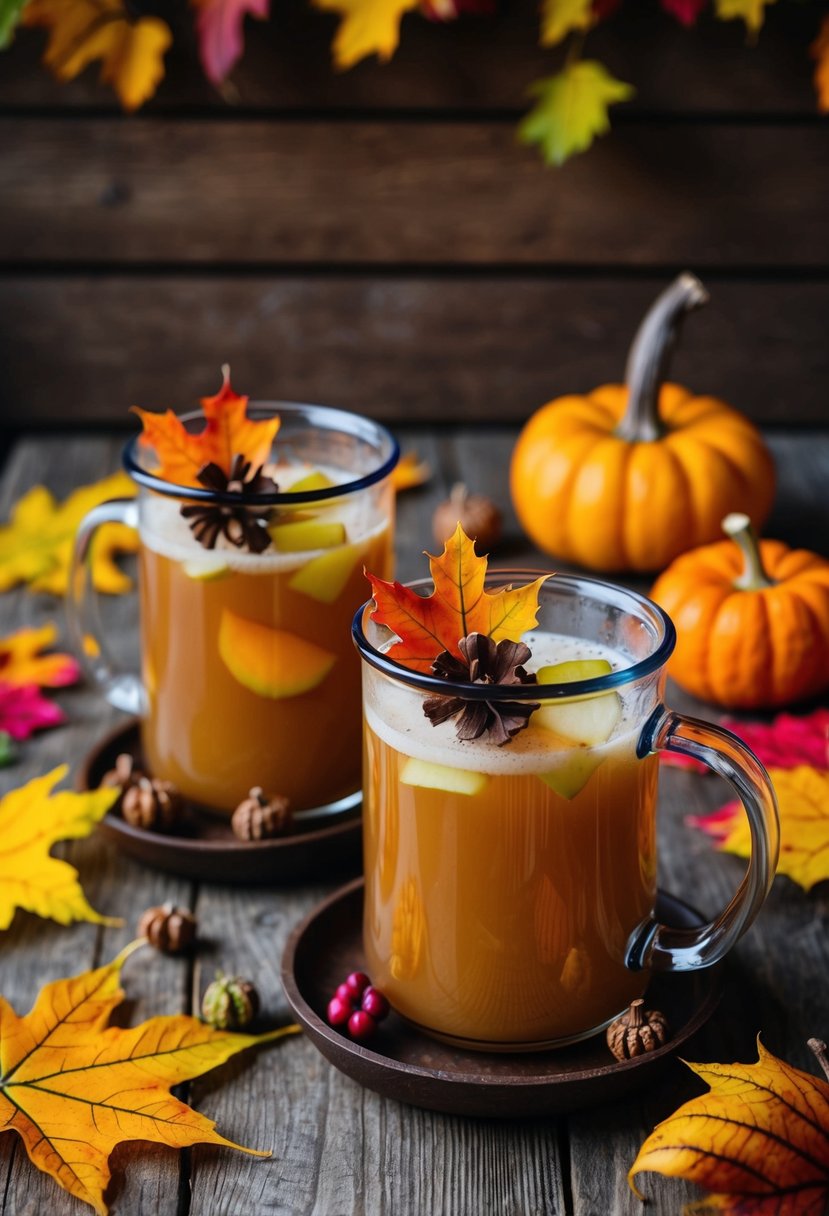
503,883
249,674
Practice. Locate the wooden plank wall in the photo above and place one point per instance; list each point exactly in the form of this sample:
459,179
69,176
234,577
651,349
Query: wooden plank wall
378,239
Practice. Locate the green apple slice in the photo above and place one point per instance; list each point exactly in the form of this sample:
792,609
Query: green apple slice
572,776
430,776
323,578
206,569
311,481
589,721
303,536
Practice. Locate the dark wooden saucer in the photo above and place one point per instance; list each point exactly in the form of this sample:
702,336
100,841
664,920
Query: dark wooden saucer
208,850
404,1064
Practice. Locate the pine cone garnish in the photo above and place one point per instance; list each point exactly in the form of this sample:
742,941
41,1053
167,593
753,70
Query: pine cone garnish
243,525
152,804
260,818
483,662
170,929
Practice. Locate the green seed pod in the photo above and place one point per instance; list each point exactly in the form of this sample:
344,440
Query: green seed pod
230,1003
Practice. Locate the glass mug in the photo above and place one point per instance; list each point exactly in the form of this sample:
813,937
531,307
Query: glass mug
509,891
248,675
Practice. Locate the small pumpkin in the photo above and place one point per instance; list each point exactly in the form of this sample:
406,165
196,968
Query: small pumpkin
630,475
752,620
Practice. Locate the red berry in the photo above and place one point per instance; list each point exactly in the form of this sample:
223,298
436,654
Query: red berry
375,1003
357,983
361,1025
339,1011
345,994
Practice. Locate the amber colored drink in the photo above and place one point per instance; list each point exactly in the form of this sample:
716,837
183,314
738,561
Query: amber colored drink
497,913
249,673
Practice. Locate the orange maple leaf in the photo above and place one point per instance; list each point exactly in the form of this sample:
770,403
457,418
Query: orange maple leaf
21,660
820,53
410,472
74,1088
459,605
228,433
759,1140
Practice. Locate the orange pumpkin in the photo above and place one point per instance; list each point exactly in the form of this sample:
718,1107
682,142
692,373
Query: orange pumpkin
752,621
630,475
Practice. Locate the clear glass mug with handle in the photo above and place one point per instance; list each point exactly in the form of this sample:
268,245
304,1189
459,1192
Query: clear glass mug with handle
510,891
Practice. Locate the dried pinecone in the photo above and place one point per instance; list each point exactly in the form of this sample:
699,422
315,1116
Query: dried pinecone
243,524
124,776
230,1003
170,929
637,1031
484,662
259,818
152,804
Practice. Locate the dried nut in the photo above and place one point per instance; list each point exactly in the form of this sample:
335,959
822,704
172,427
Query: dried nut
170,929
259,818
478,516
124,776
230,1002
154,805
636,1031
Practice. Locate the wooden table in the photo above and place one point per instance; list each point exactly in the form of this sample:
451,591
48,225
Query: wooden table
339,1149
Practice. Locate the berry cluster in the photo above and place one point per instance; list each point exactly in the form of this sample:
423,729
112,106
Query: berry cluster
358,1005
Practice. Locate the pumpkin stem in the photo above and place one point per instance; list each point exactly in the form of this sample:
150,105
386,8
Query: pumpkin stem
636,1013
753,577
647,364
819,1048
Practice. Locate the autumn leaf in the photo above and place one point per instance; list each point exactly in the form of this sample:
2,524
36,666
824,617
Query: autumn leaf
753,12
32,819
820,52
685,11
131,52
803,802
24,709
459,605
560,17
758,1141
10,12
368,27
74,1088
571,109
228,433
410,472
36,544
219,27
22,660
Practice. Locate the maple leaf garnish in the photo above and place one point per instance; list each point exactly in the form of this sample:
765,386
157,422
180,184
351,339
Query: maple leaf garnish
571,109
74,1088
483,662
820,53
24,709
228,433
803,803
32,819
368,27
459,605
219,27
21,660
758,1141
36,544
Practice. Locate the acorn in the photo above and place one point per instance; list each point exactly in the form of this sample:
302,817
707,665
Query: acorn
260,818
154,805
230,1003
637,1031
170,929
478,516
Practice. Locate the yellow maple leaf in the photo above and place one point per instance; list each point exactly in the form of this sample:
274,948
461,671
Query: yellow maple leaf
571,109
368,27
32,819
753,12
820,52
22,660
74,1088
36,544
561,17
131,52
759,1140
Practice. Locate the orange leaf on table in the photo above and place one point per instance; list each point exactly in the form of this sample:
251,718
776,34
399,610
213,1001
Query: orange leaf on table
410,472
820,53
74,1088
228,433
758,1141
368,27
21,660
459,605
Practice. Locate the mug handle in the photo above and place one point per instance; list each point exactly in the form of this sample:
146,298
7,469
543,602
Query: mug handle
661,948
122,689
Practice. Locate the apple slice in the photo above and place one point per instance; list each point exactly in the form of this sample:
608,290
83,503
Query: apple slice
206,569
271,662
430,776
304,536
591,720
323,578
573,775
316,480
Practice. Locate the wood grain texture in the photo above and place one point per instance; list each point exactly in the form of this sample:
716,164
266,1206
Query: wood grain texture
78,350
196,192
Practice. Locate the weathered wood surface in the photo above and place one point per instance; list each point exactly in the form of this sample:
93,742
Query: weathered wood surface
338,1149
78,350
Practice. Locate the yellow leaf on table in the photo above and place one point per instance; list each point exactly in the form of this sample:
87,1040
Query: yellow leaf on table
36,543
74,1088
758,1141
820,52
21,660
131,51
32,819
571,109
410,472
561,17
368,27
753,12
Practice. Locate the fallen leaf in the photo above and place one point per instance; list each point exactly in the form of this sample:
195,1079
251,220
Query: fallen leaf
228,432
753,12
561,17
803,801
368,27
219,26
786,742
820,52
571,109
24,709
36,544
32,819
7,753
22,660
758,1141
410,472
81,31
74,1088
685,11
10,13
427,625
